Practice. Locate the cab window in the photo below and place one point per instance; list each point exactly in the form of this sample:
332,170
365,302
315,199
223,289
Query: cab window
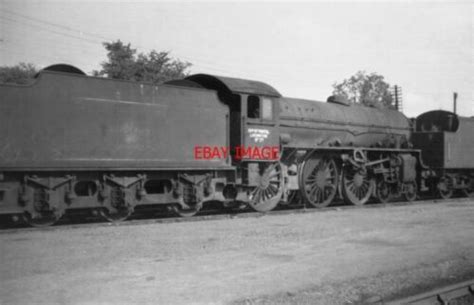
267,110
259,108
253,107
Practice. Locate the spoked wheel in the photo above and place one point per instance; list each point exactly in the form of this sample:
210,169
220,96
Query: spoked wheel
410,191
444,188
43,219
318,181
356,185
266,195
116,215
383,192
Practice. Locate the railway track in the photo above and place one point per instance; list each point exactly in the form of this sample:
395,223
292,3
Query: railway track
219,215
454,294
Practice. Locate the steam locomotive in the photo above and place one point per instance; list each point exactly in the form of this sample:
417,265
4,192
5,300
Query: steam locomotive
71,142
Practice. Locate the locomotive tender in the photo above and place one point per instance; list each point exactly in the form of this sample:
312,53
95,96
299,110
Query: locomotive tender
73,142
447,144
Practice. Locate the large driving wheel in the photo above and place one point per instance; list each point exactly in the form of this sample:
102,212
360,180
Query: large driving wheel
357,187
318,181
266,195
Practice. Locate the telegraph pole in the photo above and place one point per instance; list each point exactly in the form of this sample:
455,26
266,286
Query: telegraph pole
397,97
455,99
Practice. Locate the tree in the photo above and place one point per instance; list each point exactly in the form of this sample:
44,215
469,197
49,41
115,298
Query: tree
123,62
366,89
22,73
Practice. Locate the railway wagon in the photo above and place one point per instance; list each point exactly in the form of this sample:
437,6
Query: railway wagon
447,144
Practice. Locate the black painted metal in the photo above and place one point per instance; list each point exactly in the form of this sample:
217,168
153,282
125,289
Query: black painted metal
318,124
68,128
447,139
235,85
70,121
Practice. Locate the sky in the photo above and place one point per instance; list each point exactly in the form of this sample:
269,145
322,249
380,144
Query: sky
300,48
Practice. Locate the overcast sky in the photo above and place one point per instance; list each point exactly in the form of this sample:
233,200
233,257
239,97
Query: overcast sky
300,48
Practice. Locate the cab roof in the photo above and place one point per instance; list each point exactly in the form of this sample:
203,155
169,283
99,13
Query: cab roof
234,85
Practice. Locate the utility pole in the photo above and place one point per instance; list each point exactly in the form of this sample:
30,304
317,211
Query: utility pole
397,97
455,99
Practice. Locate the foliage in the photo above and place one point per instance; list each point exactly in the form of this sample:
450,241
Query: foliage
366,89
22,73
124,63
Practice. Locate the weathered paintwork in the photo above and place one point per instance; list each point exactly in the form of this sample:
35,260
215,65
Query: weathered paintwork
446,139
69,141
304,123
317,124
234,92
235,85
70,121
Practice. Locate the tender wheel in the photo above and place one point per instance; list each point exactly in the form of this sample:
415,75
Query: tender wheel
383,192
190,200
410,191
116,215
356,186
43,219
40,212
318,181
117,207
188,211
444,188
268,193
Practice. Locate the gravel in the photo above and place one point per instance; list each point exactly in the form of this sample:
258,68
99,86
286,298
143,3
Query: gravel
335,257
